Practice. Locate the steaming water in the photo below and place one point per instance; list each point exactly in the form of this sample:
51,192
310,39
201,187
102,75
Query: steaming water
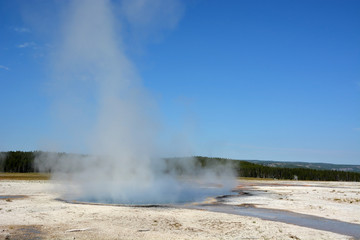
181,194
103,107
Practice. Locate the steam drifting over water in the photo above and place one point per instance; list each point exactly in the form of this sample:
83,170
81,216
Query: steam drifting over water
102,105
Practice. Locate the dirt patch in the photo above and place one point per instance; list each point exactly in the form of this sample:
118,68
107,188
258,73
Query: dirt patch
24,176
10,198
345,200
17,232
247,205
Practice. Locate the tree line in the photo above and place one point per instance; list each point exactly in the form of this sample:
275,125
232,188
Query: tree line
18,161
22,162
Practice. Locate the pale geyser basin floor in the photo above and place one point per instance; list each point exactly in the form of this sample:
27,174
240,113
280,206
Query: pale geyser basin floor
40,216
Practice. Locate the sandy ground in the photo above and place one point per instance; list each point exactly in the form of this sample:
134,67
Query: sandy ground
40,216
334,200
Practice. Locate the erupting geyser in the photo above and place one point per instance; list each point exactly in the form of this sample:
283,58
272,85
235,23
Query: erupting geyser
105,109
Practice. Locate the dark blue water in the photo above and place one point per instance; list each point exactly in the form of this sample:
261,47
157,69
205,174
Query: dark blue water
180,195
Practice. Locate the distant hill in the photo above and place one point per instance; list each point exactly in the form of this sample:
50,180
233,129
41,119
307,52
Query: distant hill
317,166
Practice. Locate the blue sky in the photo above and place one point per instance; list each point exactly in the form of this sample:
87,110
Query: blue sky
274,80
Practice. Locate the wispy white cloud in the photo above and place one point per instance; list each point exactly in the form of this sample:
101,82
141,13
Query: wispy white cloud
357,129
4,67
148,19
155,14
26,44
22,30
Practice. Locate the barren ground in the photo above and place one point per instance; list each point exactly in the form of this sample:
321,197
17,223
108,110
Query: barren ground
39,215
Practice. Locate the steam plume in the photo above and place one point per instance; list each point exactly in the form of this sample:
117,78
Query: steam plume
103,105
